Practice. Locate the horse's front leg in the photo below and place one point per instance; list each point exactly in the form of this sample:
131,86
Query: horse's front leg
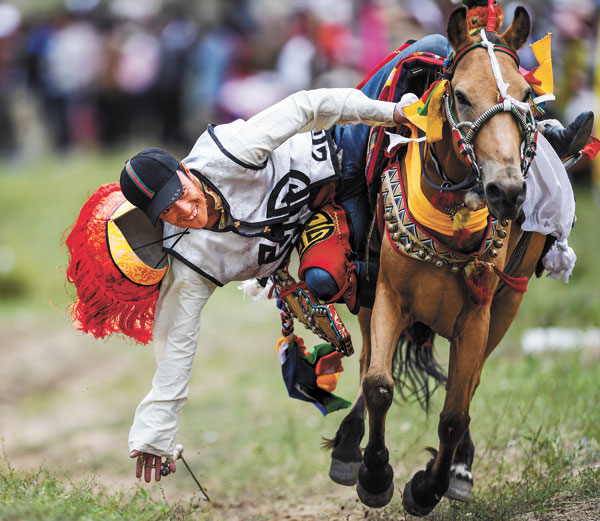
426,488
346,456
375,485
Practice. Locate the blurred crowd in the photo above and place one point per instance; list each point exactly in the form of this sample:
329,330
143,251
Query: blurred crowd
103,73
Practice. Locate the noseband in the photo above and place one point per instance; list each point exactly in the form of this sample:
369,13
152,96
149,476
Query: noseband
520,110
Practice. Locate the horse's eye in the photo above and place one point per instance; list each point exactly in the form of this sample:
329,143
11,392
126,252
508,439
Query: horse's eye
461,99
528,94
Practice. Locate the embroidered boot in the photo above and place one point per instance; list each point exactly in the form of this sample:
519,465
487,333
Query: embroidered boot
568,141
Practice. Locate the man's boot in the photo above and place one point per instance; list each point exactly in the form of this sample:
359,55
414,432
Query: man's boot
568,141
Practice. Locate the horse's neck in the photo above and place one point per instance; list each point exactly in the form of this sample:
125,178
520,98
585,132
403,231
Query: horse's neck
450,162
456,169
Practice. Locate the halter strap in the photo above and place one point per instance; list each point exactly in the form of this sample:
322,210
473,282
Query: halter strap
453,59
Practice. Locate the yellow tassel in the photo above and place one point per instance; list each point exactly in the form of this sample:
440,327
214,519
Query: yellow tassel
461,218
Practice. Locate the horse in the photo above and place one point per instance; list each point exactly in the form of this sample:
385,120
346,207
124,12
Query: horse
467,289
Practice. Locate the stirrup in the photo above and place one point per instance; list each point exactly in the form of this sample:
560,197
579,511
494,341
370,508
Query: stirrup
322,319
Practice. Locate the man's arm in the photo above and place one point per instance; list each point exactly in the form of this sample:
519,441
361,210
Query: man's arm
176,329
304,111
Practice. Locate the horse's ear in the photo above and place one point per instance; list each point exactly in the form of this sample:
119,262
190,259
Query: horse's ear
457,29
518,32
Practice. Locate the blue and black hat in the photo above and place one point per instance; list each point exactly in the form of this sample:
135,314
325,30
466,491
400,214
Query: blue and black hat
149,181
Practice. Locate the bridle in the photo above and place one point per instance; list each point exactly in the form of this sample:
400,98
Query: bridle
521,111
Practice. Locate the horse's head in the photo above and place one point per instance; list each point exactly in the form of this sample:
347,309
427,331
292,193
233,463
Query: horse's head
500,127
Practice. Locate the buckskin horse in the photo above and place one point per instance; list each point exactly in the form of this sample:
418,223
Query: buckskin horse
467,289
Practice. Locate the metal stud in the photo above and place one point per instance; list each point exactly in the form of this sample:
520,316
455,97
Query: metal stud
396,236
454,268
439,263
388,216
392,227
498,243
422,253
408,247
502,234
504,223
493,253
428,258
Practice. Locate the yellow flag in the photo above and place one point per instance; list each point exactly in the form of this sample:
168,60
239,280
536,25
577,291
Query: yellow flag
435,117
543,54
427,114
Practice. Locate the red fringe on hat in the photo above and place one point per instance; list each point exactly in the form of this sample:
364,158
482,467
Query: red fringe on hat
107,302
477,18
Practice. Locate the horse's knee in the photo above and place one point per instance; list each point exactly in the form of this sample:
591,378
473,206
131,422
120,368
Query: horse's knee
378,392
452,427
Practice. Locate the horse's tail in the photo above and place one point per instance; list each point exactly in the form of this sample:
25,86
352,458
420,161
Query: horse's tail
416,373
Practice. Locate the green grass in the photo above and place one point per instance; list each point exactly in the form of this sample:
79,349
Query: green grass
535,419
38,496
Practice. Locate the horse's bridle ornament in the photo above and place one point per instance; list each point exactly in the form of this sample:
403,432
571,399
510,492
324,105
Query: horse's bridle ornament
520,110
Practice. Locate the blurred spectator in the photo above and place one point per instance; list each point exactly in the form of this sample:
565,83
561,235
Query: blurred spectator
132,65
70,67
10,78
176,39
296,60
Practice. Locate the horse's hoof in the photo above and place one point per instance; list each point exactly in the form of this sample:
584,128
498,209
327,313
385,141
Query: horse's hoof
459,489
411,506
375,500
344,472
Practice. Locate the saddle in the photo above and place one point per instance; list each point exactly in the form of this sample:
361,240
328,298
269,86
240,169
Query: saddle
414,73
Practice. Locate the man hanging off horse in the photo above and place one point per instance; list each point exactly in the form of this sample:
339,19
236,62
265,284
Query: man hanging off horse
237,205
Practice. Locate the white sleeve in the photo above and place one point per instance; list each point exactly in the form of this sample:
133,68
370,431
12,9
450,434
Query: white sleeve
304,111
183,294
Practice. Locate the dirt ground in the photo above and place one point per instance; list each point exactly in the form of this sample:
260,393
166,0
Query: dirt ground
55,411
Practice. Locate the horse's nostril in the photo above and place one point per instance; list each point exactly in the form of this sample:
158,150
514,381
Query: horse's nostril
493,193
521,196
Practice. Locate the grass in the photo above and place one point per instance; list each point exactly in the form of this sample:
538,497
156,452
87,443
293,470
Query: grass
535,419
38,496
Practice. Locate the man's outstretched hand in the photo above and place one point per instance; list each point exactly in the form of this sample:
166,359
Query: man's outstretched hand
146,463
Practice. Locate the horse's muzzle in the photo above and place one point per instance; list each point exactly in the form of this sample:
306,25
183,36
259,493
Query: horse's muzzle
505,202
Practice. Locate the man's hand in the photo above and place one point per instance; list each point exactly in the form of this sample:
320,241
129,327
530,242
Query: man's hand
399,116
149,462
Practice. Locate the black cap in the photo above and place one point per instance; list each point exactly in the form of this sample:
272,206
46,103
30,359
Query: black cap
470,4
149,181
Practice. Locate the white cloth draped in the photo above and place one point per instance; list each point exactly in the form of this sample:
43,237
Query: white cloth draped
549,208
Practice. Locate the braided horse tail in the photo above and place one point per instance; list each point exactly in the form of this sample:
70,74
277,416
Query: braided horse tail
415,371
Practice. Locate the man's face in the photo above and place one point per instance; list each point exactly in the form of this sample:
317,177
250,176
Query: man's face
189,211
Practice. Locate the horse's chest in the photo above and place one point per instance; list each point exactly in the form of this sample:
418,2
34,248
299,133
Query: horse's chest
427,294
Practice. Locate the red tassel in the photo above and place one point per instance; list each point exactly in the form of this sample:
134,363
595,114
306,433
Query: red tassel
107,302
591,149
478,278
461,236
477,282
442,200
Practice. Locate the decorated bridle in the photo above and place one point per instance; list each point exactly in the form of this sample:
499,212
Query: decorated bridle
520,110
